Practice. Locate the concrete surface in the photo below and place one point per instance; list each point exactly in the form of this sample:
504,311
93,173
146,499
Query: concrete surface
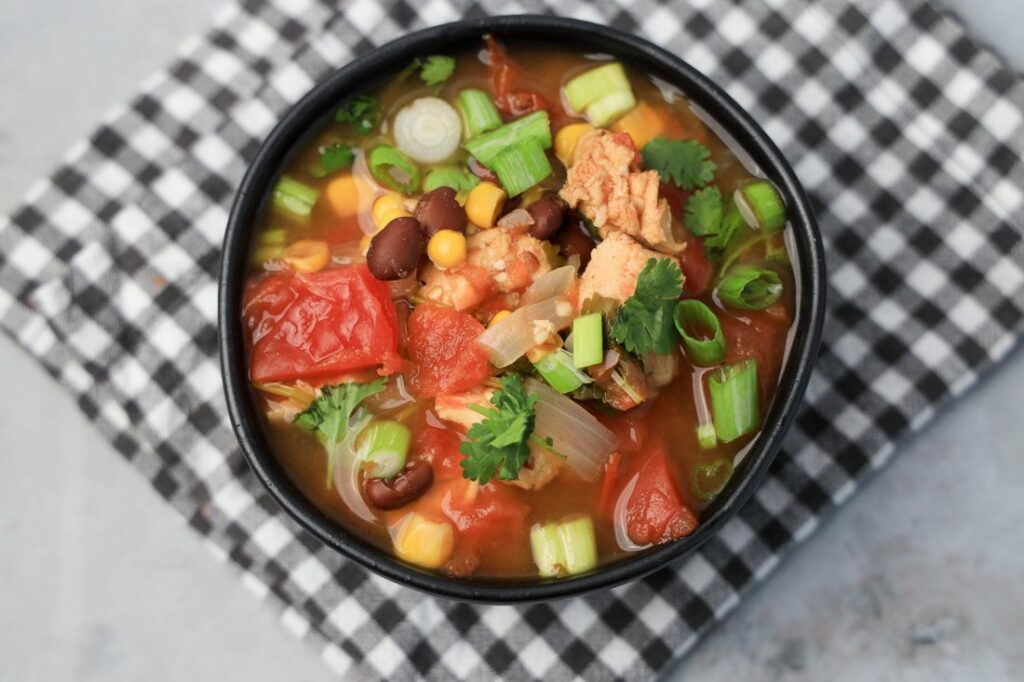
917,579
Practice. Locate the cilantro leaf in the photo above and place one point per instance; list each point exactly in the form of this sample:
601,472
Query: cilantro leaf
328,417
686,163
704,212
436,69
644,321
362,112
732,221
498,444
333,157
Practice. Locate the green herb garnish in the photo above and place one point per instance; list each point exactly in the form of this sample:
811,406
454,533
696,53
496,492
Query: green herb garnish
328,417
362,112
704,212
333,158
436,69
644,322
498,444
686,163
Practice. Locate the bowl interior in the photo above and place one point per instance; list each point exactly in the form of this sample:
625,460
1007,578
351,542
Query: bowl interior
307,115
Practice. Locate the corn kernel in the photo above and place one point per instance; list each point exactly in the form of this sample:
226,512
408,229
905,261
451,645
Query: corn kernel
391,215
307,255
343,193
384,203
447,249
536,353
498,317
566,139
484,204
424,542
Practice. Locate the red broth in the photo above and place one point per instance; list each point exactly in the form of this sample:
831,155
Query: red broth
488,527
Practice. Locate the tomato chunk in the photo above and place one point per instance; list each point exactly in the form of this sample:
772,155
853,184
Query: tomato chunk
443,350
325,323
757,334
441,448
655,512
697,269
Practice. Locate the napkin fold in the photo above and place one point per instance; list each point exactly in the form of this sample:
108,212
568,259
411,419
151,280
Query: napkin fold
907,136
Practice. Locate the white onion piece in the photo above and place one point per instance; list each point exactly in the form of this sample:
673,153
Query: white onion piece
525,328
520,217
428,130
619,518
573,431
346,471
553,283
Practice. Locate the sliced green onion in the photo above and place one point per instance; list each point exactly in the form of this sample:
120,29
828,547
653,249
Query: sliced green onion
708,480
487,146
459,179
294,197
478,112
734,400
750,287
591,85
273,237
606,109
706,437
701,332
588,340
521,166
557,369
761,206
262,254
394,169
563,549
385,444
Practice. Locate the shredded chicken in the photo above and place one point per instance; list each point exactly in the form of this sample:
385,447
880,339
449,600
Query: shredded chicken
615,264
497,260
604,184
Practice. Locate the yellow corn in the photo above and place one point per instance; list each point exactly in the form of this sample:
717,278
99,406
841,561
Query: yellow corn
386,208
536,353
643,123
447,249
424,542
343,194
307,255
390,215
498,317
566,139
484,204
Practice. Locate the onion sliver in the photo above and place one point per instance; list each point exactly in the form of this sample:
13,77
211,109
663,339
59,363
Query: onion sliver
346,471
573,431
525,328
428,130
553,283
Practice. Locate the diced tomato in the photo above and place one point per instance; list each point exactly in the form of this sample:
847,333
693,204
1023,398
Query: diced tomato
696,267
655,511
441,448
676,197
325,323
757,334
511,101
630,427
442,348
483,516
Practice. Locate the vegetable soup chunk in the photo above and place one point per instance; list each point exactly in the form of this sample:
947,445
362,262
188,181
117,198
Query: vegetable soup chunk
515,313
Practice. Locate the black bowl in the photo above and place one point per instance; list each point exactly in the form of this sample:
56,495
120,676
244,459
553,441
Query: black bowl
307,114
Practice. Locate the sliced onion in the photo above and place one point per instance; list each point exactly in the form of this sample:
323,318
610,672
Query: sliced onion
619,518
520,217
346,471
428,130
528,326
553,283
573,431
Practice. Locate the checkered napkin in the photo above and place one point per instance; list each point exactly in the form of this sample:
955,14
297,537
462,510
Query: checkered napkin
908,137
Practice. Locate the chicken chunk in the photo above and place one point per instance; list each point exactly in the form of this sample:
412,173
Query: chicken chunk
604,184
540,469
615,264
497,260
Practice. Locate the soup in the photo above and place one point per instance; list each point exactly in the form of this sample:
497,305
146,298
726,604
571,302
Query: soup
516,313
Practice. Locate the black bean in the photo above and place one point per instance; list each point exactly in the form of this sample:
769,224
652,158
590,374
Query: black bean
548,213
395,251
414,480
438,210
575,240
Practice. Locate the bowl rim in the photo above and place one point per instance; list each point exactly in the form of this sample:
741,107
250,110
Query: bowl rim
386,59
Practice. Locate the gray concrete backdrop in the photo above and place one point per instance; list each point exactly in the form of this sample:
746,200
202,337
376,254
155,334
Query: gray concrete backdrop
917,579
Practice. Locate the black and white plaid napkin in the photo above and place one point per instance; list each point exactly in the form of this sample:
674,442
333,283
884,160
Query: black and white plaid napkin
908,137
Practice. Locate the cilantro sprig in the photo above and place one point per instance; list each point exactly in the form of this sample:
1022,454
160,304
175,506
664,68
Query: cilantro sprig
329,416
704,212
436,69
644,321
498,445
362,111
686,163
333,157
